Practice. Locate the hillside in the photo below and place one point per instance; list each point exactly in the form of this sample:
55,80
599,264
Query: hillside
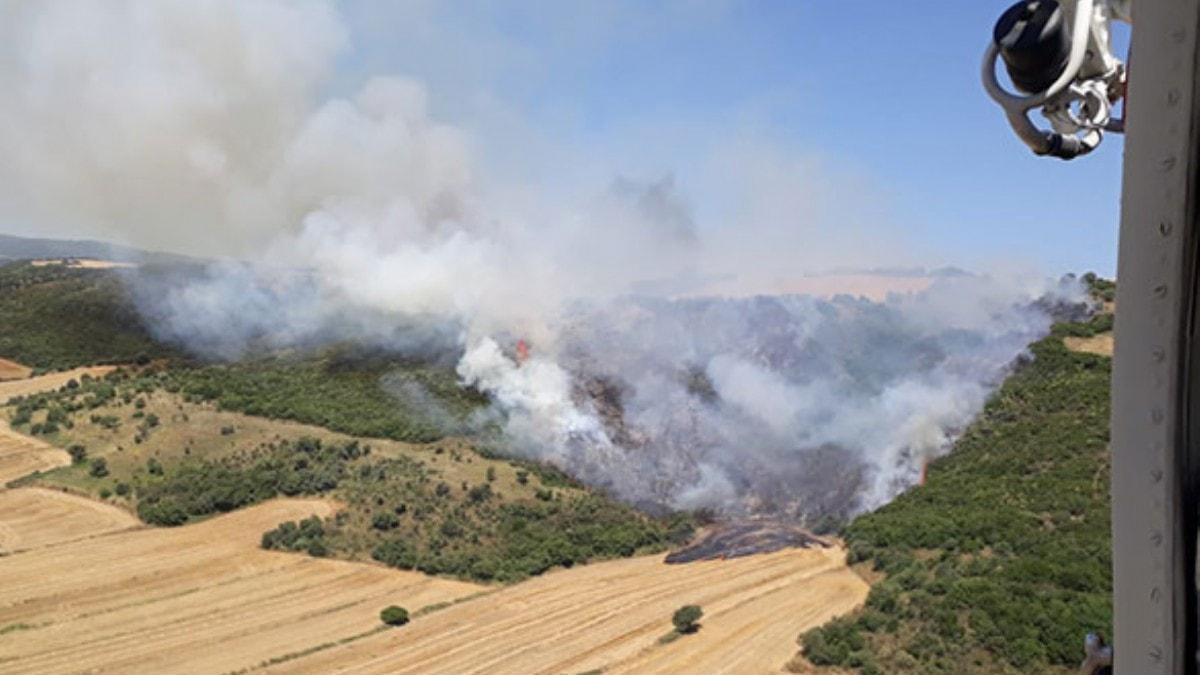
175,440
1001,561
58,317
32,248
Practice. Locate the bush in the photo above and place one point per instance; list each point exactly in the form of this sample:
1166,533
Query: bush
99,468
122,489
394,616
685,618
78,453
385,521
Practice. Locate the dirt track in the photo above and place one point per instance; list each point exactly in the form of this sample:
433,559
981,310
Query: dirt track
197,599
611,615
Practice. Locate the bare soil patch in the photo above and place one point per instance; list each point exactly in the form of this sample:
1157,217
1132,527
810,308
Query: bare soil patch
1099,344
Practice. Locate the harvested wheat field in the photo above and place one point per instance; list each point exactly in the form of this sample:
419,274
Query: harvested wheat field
21,455
49,382
611,615
197,599
33,517
11,370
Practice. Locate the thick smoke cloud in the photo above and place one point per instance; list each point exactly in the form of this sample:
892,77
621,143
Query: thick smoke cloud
202,127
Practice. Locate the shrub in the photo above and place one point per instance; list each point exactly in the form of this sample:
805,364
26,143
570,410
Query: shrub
394,616
78,453
122,489
685,618
385,521
167,513
99,468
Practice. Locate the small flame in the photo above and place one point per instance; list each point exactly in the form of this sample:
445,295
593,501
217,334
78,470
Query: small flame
522,351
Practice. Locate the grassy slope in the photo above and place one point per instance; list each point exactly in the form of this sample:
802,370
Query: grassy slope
1001,561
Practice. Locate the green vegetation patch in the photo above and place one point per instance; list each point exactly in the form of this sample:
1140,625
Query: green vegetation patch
56,318
1001,561
346,396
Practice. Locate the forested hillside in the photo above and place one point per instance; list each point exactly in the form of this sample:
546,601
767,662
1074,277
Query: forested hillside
1001,561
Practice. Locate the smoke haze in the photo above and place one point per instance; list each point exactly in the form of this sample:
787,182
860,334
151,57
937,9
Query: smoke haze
205,128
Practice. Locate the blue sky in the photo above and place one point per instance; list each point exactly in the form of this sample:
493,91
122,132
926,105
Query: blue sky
883,97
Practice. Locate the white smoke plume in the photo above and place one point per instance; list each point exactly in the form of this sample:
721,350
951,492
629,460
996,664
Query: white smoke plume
204,128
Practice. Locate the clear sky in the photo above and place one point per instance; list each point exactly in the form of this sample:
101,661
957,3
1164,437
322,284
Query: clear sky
881,95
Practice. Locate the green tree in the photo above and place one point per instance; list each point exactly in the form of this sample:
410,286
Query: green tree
686,618
99,468
78,453
394,616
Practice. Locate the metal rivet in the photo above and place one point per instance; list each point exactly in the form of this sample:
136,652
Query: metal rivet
1156,538
1155,653
1158,354
1164,228
1160,291
1156,415
1167,163
1156,475
1155,594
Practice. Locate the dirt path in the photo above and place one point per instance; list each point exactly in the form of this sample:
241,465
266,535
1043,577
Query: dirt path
198,599
611,615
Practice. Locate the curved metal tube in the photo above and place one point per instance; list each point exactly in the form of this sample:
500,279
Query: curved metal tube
1079,46
1017,107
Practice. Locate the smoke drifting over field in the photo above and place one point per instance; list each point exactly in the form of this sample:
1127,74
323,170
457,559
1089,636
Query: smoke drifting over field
201,125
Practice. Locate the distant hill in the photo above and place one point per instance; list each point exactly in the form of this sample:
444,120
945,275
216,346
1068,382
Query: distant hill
27,248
